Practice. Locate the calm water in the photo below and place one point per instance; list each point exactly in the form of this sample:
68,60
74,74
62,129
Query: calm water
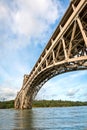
66,118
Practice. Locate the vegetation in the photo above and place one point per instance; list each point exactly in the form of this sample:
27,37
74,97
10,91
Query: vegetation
57,103
45,103
7,104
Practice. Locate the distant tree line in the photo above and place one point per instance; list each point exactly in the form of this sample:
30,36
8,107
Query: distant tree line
6,104
57,103
45,103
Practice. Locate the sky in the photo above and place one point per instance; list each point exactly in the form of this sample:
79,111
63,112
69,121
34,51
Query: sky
25,28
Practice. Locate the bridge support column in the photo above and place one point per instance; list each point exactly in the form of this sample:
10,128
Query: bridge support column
22,101
72,37
53,57
82,31
64,48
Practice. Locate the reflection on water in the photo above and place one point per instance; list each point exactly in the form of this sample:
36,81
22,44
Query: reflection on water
66,118
23,119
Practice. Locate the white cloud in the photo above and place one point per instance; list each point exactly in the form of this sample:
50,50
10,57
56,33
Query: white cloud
68,86
7,93
28,19
34,17
72,91
3,11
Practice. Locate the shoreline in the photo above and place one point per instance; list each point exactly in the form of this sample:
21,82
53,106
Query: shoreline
44,103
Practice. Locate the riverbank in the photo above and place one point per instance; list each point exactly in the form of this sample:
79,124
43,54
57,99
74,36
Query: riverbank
6,104
45,103
57,103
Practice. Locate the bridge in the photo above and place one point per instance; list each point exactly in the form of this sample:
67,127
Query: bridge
65,51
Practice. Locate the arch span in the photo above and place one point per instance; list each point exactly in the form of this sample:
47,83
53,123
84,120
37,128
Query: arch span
32,89
66,51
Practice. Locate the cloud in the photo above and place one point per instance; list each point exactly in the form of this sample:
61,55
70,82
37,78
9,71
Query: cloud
68,86
72,92
23,23
32,19
23,20
7,93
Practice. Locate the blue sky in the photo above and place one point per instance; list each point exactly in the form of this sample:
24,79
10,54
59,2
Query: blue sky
25,28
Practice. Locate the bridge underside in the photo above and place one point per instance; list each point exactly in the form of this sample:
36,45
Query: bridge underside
43,77
66,51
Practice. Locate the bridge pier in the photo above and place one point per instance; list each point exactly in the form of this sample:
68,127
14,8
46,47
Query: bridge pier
22,101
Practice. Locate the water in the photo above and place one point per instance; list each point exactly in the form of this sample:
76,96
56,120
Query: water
65,118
